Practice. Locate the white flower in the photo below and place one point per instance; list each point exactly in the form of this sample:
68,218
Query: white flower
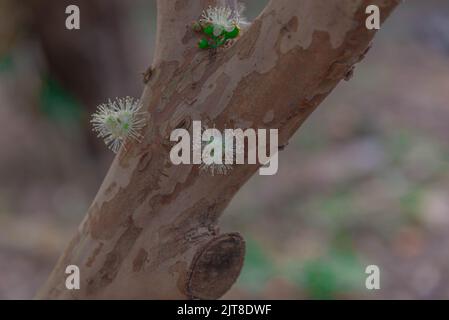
223,18
228,151
117,121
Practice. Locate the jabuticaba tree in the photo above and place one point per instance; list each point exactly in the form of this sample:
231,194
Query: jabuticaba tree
151,231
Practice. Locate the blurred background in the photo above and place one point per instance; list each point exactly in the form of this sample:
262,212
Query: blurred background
365,181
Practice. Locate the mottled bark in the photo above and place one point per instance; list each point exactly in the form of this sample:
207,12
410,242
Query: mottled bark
151,231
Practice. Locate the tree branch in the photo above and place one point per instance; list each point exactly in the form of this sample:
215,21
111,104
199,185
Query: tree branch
151,231
174,32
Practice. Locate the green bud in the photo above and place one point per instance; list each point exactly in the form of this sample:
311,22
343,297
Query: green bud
203,44
209,30
233,34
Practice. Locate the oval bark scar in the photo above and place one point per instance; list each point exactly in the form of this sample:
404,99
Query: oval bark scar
216,267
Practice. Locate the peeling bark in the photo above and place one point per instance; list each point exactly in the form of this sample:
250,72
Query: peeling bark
151,231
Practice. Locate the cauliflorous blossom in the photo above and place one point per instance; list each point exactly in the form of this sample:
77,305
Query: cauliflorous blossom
228,150
220,24
221,18
117,121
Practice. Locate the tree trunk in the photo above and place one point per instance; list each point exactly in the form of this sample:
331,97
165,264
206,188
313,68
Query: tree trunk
151,231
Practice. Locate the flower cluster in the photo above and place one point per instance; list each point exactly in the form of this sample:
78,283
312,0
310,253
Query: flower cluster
219,25
118,120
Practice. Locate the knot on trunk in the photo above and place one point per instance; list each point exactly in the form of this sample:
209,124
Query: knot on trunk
216,266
